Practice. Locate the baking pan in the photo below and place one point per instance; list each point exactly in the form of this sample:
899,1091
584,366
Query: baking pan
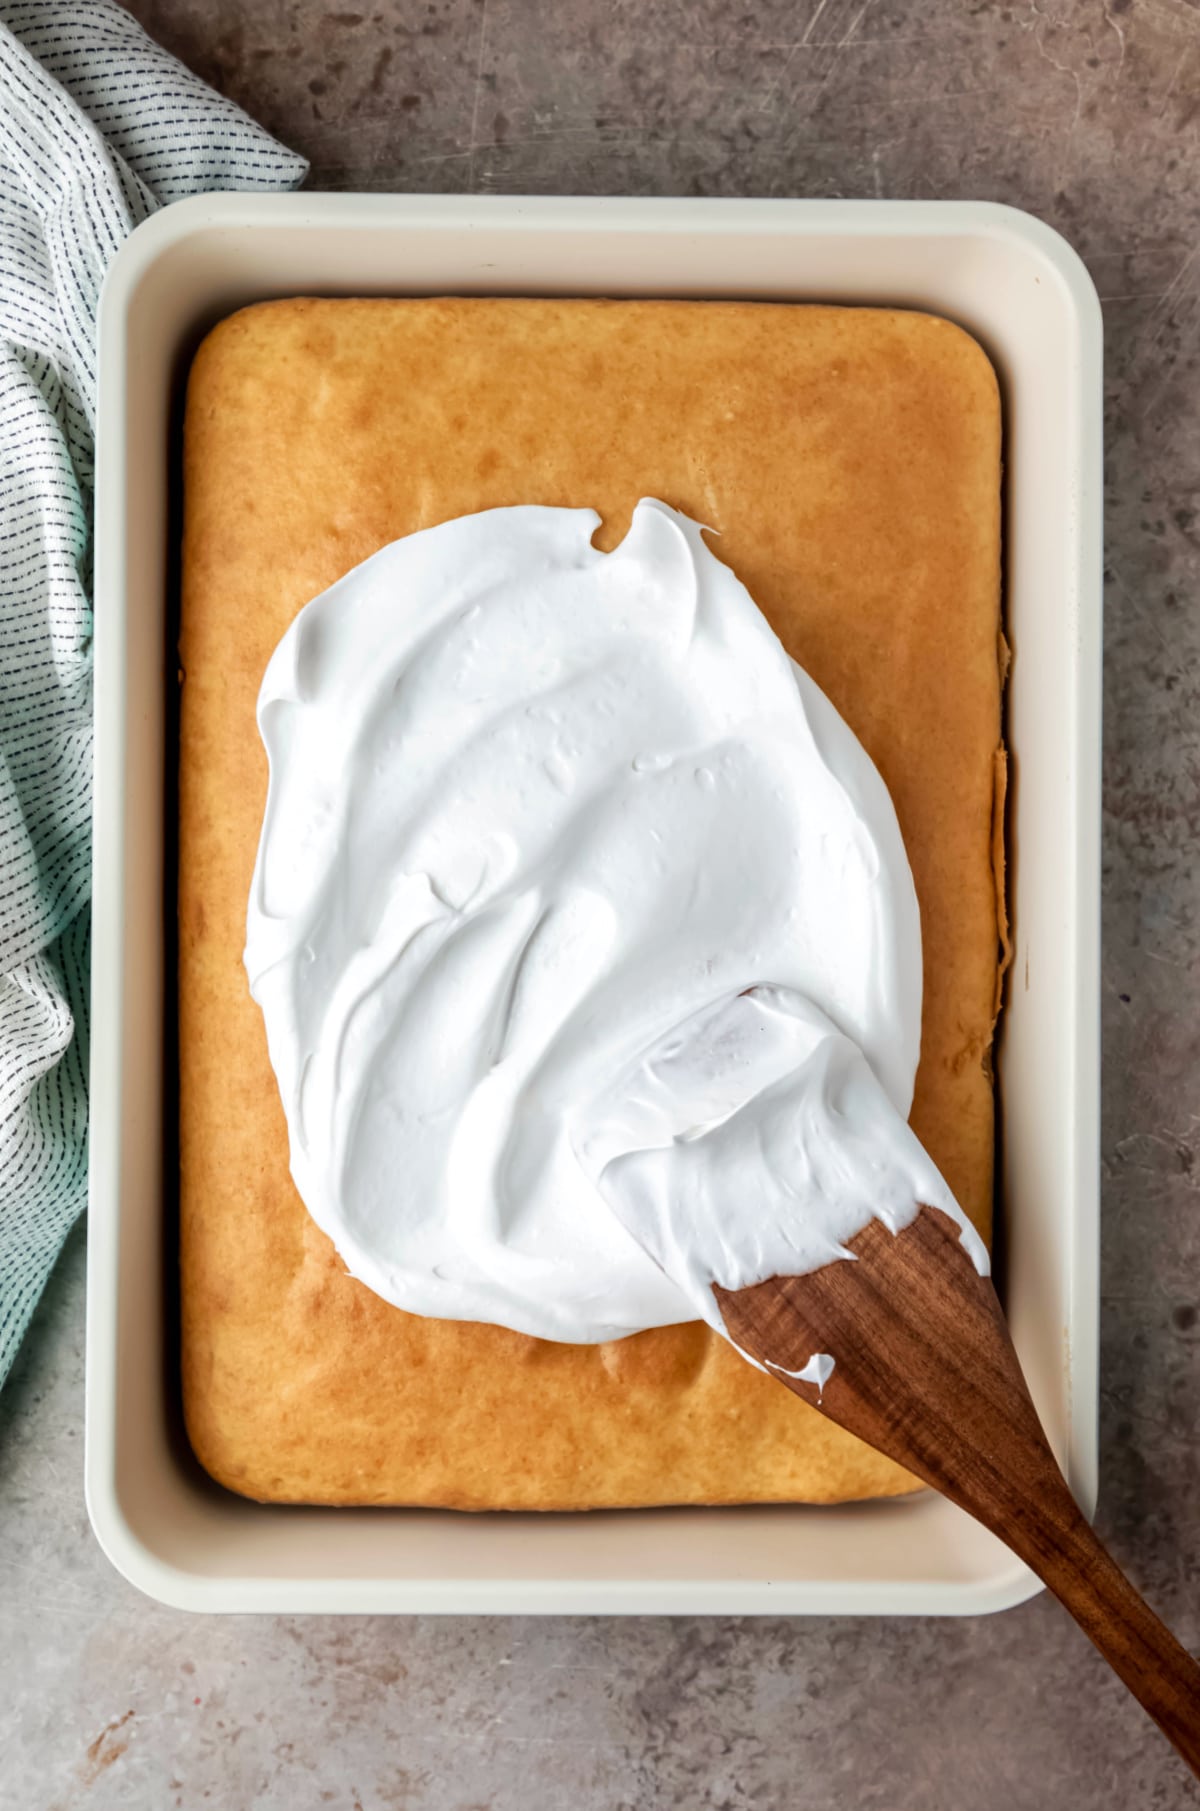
1025,295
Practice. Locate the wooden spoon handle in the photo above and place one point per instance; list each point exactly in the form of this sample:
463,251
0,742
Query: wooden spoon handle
925,1371
1141,1650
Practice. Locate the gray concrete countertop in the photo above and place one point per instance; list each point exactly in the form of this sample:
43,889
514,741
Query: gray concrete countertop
1088,113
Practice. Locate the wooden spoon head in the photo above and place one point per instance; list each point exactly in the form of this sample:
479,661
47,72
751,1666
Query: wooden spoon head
924,1367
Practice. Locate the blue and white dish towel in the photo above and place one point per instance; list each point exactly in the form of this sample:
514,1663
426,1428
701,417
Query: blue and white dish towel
99,127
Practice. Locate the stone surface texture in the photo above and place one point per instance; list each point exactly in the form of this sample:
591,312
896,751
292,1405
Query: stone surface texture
1088,113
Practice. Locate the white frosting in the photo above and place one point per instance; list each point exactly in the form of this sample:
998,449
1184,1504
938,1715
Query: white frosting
755,1140
538,818
819,1369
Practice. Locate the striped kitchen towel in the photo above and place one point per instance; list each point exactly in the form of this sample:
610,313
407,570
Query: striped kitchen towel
98,127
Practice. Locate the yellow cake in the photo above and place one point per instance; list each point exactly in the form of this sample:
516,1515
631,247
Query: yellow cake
850,460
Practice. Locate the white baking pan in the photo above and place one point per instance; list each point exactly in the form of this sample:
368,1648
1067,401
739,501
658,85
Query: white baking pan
1016,286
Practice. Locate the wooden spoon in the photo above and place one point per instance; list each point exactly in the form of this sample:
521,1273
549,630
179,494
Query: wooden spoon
924,1370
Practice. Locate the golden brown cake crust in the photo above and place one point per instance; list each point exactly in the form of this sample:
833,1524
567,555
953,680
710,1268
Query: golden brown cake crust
850,460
